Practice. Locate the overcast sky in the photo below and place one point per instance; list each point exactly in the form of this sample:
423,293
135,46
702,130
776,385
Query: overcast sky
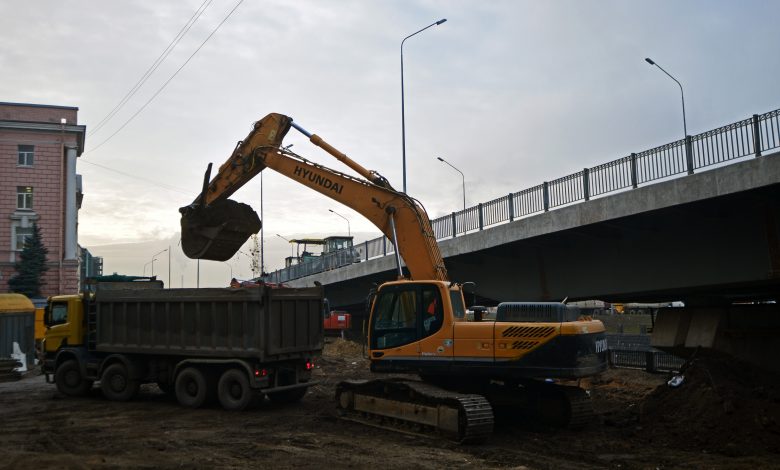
512,93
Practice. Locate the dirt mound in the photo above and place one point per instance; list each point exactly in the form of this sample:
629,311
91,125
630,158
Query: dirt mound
343,348
723,406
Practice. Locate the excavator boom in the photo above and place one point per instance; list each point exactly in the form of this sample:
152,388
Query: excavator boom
214,227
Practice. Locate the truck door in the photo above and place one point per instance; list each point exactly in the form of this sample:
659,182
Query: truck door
57,326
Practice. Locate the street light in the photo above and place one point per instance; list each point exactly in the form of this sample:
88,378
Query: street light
682,95
349,232
147,264
403,117
288,241
153,260
461,175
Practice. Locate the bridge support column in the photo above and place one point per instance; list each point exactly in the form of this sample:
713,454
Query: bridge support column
748,332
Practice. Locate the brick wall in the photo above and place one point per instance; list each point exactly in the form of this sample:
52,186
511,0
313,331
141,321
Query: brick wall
47,181
28,113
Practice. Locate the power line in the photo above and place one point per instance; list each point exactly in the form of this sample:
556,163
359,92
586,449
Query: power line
155,183
169,79
164,55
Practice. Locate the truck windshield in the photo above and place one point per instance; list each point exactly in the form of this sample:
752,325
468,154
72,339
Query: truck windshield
59,314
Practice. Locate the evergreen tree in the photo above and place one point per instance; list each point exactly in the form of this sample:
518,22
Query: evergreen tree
31,266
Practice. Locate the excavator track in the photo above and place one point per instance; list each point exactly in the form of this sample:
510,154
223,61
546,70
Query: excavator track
560,406
416,407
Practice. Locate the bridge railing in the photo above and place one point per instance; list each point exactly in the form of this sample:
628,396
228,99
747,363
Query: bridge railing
753,136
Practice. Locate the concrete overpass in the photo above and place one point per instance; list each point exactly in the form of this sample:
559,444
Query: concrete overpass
711,237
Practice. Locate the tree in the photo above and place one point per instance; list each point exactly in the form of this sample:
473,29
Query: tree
31,266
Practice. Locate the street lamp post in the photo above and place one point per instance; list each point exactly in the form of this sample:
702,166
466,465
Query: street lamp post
349,231
682,95
147,264
462,177
403,117
153,259
288,241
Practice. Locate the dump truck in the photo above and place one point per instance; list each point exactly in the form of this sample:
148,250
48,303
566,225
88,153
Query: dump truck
195,344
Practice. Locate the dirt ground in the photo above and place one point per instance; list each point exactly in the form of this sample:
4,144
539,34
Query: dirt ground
641,423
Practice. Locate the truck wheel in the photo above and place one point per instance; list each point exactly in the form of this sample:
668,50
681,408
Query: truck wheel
233,390
191,388
288,396
69,380
117,384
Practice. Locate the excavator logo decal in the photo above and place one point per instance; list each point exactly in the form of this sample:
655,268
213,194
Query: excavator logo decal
316,178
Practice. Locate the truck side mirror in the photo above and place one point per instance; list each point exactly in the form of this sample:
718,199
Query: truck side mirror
47,315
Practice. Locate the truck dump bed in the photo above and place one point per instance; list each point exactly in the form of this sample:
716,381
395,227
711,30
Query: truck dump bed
263,323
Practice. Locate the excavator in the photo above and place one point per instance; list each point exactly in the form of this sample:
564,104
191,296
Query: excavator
531,357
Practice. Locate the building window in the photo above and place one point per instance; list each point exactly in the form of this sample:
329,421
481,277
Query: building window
24,197
21,236
26,154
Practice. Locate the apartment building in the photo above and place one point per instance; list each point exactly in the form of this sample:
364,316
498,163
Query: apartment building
39,145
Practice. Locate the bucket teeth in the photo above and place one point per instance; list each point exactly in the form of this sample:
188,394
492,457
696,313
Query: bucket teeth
217,231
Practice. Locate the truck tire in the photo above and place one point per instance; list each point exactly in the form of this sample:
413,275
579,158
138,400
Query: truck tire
191,388
69,380
288,396
117,384
233,390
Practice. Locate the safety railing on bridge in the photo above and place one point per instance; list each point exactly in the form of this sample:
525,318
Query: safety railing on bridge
749,137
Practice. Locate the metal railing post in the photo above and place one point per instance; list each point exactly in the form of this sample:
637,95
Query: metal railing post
689,153
511,207
633,171
546,196
650,361
366,245
756,135
454,228
384,245
479,207
586,184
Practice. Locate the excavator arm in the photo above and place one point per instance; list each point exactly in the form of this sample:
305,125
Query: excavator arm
214,227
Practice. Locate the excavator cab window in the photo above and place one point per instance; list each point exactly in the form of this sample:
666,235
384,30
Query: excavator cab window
404,314
458,308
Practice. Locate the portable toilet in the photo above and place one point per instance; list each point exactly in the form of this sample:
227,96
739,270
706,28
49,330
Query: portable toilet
17,325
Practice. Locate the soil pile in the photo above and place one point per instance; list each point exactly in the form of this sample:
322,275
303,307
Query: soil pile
722,406
342,348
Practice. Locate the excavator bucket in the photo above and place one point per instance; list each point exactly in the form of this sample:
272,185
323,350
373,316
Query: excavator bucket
216,232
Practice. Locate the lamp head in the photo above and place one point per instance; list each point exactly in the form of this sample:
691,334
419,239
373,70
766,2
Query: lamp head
649,61
441,21
440,159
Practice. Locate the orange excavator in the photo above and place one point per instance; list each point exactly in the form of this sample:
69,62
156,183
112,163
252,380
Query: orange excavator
418,323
